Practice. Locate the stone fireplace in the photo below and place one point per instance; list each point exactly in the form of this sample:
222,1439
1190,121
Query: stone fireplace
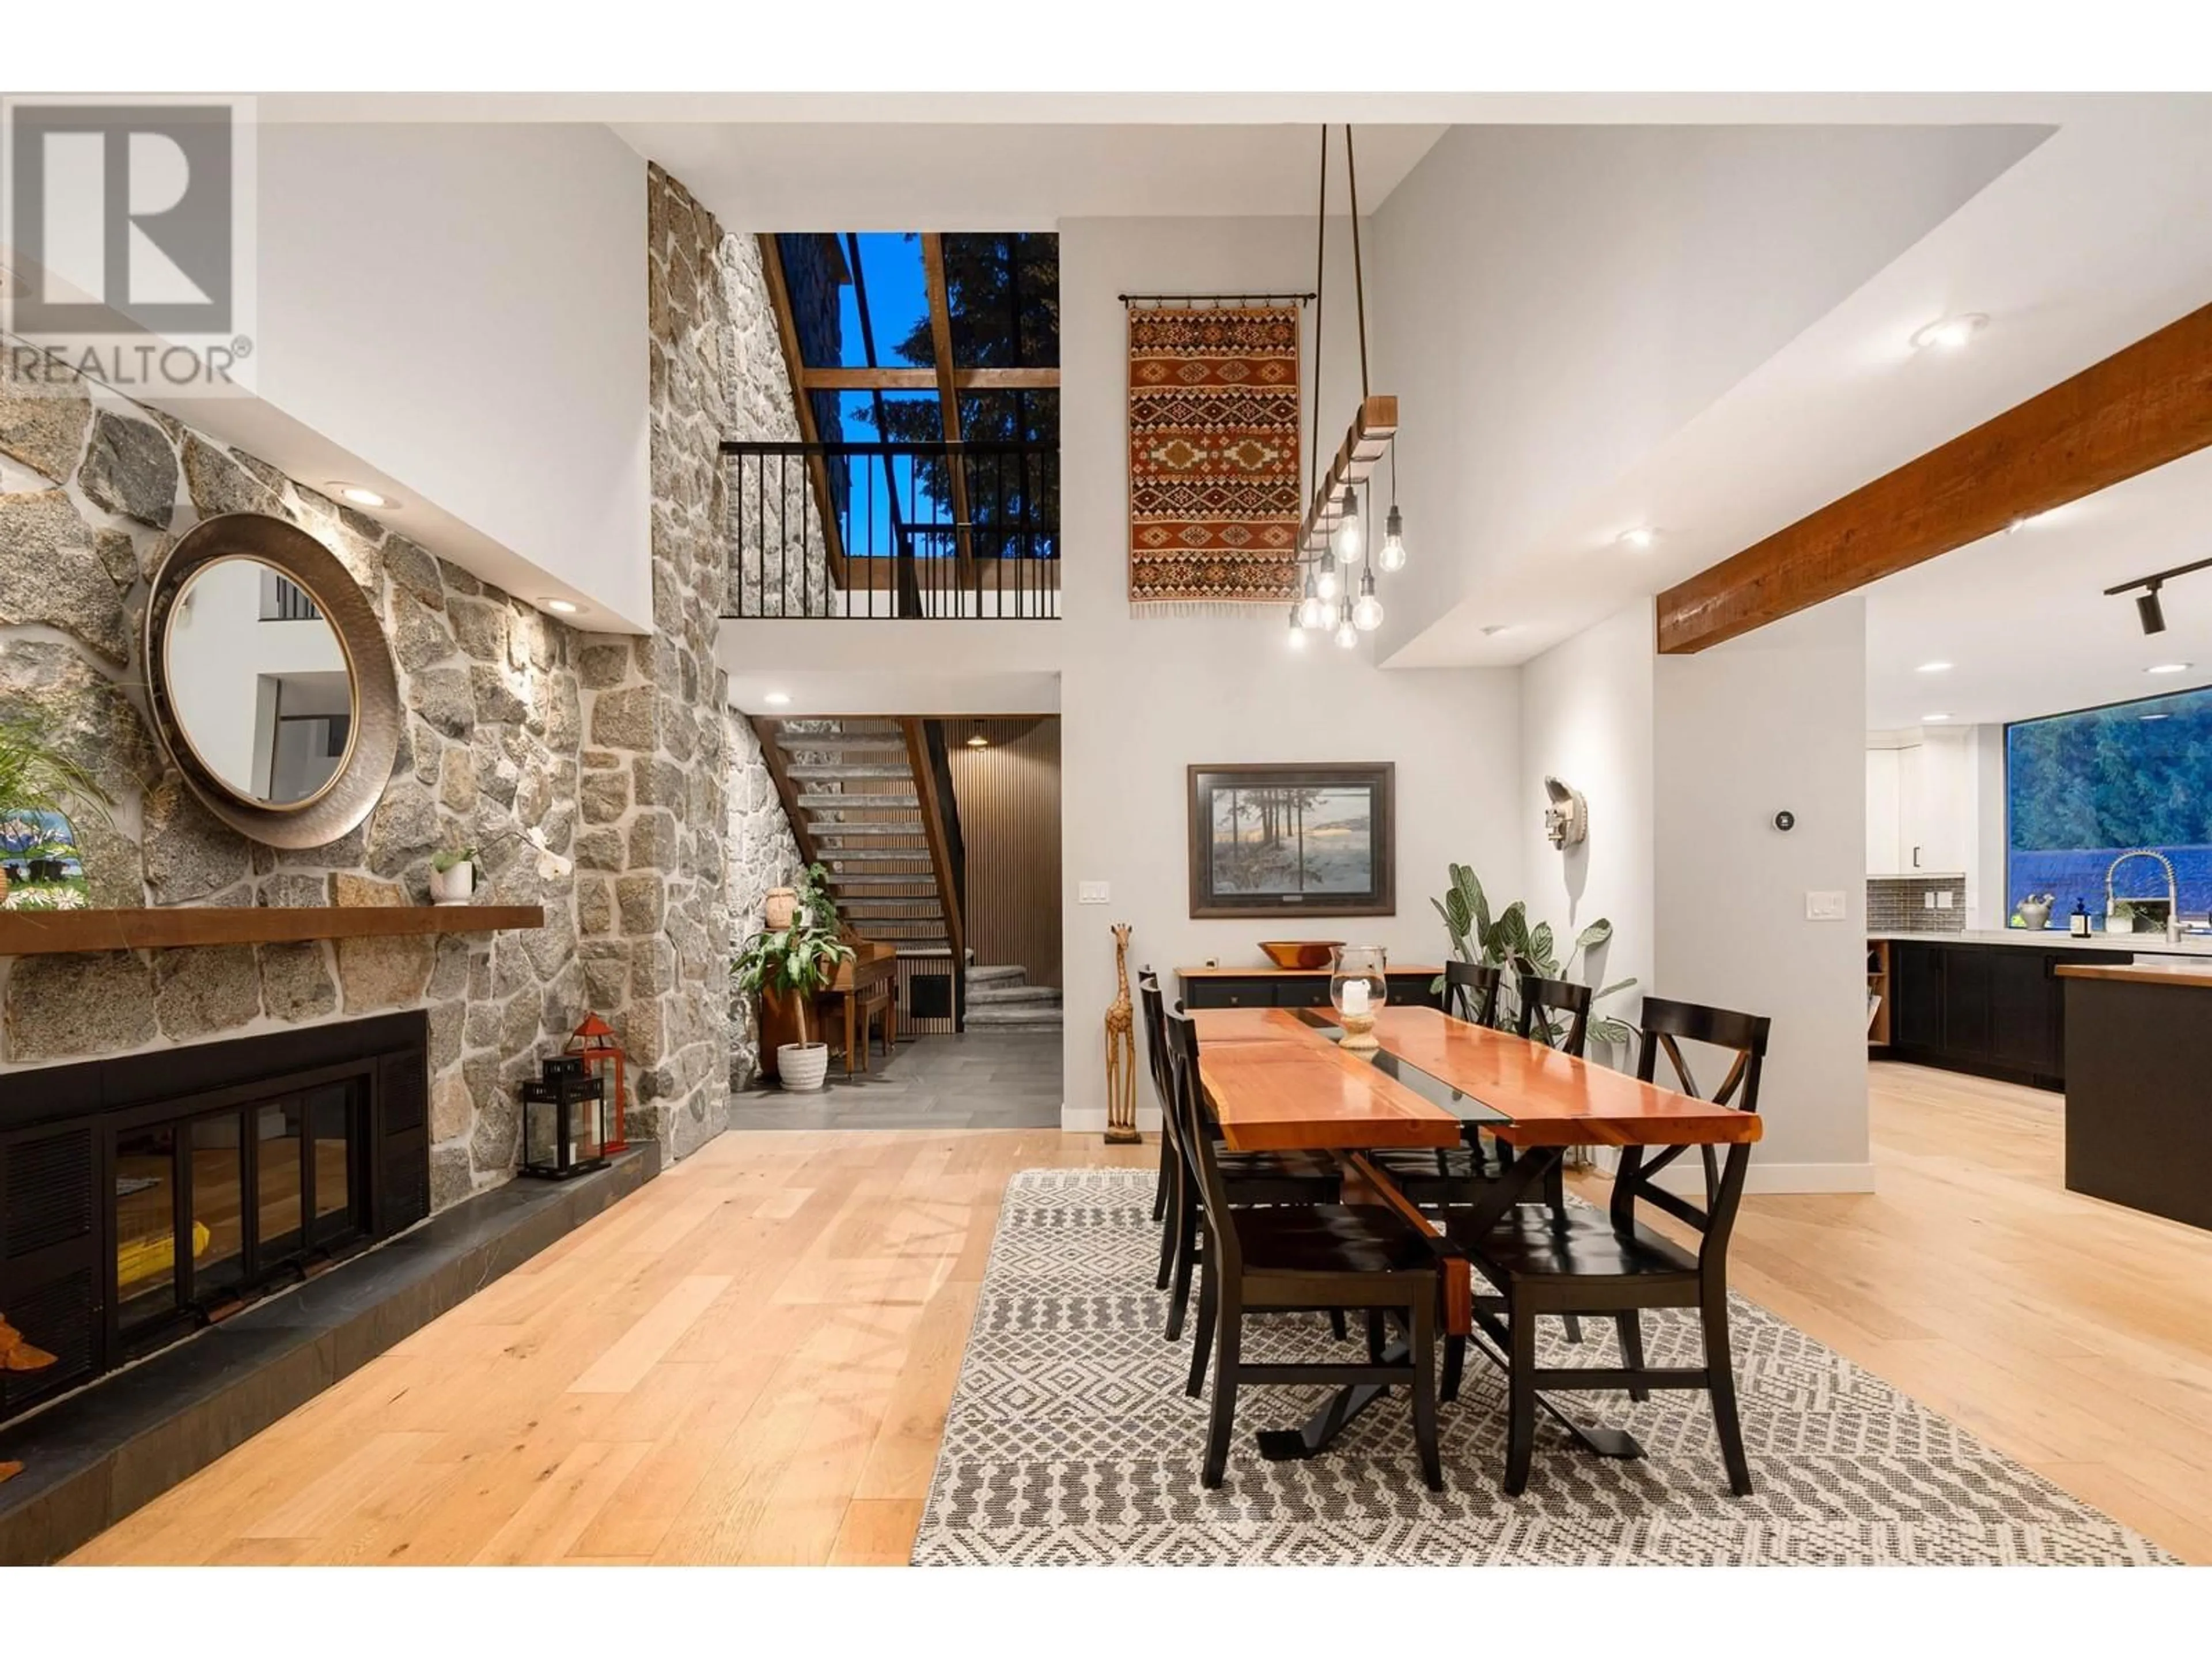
145,1197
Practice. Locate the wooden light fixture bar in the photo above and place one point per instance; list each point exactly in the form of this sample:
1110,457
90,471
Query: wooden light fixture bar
2140,408
1366,442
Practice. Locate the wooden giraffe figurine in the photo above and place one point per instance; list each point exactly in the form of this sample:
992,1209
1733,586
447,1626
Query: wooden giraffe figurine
1120,1048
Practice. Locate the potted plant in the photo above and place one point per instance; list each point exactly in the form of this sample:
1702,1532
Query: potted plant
1508,941
794,962
454,875
39,784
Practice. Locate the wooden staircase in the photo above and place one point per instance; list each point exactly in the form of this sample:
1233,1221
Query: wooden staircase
866,797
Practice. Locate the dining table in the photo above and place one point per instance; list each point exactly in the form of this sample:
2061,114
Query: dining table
1279,1080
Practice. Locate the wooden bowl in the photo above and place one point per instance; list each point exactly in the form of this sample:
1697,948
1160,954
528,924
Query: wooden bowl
1299,952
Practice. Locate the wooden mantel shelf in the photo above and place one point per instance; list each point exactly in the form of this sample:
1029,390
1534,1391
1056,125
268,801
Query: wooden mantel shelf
53,932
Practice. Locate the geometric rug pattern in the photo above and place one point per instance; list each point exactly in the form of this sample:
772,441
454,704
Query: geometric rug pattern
1070,1441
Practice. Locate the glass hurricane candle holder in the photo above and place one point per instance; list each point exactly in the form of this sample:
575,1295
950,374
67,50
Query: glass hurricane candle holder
1358,988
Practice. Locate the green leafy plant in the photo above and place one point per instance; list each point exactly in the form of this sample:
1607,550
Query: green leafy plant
453,856
37,776
1506,940
798,960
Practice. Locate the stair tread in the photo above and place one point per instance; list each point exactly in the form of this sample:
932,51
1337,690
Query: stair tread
1033,1019
832,771
992,996
986,973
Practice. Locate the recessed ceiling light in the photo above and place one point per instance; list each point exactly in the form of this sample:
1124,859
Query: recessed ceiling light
563,607
361,494
779,698
1950,333
2167,668
1639,538
1930,719
1933,668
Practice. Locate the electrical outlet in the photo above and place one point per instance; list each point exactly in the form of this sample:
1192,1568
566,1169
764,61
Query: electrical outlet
1824,906
1094,892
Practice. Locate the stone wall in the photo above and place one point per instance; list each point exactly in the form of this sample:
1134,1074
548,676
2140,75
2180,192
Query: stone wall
93,491
653,900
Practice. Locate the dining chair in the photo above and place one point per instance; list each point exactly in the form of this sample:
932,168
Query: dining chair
1287,1258
1156,1061
1610,1262
1249,1177
1471,990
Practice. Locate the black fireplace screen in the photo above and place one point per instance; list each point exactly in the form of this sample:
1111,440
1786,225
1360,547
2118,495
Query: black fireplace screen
226,1170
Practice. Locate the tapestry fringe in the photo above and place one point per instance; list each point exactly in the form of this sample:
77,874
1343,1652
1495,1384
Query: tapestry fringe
1254,610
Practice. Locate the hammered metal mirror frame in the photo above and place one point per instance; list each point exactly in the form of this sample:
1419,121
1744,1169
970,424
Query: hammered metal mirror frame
352,792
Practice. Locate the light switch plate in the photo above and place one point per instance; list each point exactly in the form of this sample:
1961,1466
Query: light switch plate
1943,900
1094,892
1927,900
1824,906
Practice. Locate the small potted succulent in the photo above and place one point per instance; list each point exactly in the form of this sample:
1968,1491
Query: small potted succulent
793,963
454,875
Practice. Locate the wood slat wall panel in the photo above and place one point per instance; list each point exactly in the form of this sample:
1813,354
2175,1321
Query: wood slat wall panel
1009,796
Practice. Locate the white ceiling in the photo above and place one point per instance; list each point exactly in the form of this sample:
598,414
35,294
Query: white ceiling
2094,239
842,691
883,176
2023,618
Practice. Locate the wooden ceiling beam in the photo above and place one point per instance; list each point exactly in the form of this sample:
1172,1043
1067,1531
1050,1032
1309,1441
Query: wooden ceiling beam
2138,409
817,471
948,396
856,379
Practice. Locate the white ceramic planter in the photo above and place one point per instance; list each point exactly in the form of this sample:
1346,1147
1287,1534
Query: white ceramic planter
802,1065
454,886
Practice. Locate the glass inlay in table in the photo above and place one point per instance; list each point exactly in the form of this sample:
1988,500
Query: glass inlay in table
1431,1088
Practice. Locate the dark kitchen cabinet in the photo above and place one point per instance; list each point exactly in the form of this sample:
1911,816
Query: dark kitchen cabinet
1994,1010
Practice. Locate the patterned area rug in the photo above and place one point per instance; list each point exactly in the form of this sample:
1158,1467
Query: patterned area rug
1070,1441
1215,496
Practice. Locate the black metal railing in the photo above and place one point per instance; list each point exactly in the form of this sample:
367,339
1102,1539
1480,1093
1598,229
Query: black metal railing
893,530
286,601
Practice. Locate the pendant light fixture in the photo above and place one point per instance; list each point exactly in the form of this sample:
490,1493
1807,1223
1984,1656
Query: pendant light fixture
1333,537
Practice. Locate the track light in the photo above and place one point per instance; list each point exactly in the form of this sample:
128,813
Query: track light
2150,612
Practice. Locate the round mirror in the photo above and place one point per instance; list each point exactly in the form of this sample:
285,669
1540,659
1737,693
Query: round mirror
258,683
269,680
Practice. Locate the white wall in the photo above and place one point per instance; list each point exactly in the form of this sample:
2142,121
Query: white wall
1141,700
454,315
1586,719
1775,719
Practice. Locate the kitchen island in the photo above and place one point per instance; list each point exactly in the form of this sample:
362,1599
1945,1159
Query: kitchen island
2139,1084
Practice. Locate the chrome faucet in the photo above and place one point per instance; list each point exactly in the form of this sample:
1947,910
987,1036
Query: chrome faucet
2173,888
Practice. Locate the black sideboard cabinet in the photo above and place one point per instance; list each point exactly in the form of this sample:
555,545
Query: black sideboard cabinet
1993,1010
1280,987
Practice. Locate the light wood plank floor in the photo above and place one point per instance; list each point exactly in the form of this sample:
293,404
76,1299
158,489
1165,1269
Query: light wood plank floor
749,1360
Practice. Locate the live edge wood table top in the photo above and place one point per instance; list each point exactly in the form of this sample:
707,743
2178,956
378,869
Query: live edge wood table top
1277,1083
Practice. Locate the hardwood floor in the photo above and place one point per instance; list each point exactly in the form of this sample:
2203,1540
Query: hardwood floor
749,1359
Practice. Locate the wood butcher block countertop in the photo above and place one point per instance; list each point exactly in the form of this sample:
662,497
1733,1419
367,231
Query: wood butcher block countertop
2171,971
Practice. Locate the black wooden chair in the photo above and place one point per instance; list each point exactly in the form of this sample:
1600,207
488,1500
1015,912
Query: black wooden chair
1249,1177
1611,1263
1300,1258
1450,1175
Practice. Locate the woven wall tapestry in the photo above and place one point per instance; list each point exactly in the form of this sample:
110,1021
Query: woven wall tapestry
1215,491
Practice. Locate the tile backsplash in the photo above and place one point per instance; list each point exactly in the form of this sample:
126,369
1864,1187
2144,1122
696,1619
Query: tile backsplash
1898,904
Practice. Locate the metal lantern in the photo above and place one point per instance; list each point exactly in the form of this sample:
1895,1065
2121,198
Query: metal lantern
565,1120
593,1043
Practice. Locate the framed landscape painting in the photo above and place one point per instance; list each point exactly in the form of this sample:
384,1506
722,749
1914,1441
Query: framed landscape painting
1284,841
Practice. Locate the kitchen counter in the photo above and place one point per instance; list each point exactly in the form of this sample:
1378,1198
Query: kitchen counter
2172,971
2057,939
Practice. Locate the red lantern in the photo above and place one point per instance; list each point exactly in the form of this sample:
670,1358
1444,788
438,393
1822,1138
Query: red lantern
593,1043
